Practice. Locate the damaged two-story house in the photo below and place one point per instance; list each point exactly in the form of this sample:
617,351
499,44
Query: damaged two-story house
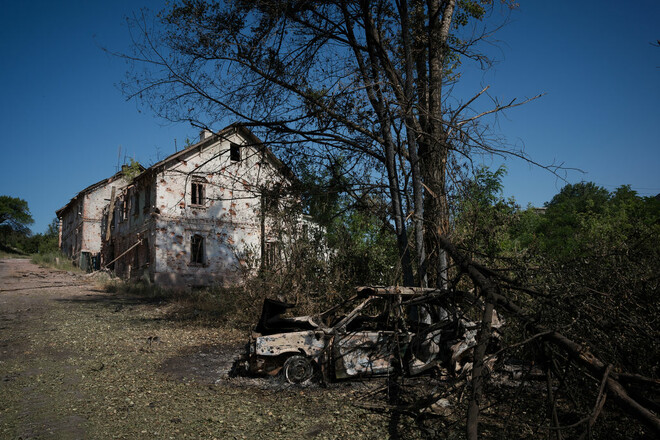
199,216
80,220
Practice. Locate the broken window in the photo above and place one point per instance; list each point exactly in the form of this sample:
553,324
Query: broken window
104,221
116,216
197,191
147,199
271,254
197,249
234,152
270,202
141,255
135,204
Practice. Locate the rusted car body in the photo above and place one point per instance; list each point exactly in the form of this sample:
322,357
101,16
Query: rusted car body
373,338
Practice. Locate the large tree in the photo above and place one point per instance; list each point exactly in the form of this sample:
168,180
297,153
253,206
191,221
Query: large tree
369,82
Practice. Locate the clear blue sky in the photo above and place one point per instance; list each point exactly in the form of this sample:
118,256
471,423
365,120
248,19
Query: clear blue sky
62,118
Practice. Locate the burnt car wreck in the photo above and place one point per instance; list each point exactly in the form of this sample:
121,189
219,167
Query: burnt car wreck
377,331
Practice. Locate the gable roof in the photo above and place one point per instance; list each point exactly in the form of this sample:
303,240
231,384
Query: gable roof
235,128
92,187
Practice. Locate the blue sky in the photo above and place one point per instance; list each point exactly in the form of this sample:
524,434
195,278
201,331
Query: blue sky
63,119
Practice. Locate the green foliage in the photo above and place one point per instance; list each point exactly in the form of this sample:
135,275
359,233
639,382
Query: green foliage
484,219
15,236
131,170
37,243
583,219
22,242
601,254
569,214
340,244
468,10
364,249
362,245
594,253
14,216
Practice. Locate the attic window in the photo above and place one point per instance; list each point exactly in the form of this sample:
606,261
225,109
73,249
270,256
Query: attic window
197,192
235,153
197,249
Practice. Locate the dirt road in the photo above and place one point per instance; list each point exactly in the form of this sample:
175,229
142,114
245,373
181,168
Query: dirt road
77,362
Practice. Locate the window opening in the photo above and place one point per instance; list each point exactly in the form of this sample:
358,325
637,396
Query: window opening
136,203
147,199
197,249
197,193
235,152
269,202
271,254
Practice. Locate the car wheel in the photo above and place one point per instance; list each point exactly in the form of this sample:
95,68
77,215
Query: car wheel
297,369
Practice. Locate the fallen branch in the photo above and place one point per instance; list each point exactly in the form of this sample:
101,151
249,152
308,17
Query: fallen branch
580,353
636,378
600,402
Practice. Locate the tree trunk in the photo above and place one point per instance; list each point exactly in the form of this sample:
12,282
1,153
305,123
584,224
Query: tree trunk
397,213
411,139
379,104
434,156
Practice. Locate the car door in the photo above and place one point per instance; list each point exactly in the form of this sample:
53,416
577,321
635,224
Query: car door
363,353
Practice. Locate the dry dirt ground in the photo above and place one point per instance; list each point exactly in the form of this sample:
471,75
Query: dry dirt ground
77,362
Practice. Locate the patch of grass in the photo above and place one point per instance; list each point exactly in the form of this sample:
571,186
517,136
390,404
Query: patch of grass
235,306
56,260
229,306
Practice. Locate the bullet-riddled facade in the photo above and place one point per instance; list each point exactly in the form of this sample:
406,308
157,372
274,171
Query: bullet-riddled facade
80,221
195,218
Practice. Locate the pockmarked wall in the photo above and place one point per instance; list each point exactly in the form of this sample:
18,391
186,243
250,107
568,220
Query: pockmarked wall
196,217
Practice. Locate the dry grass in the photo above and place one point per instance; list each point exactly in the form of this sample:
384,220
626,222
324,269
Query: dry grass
55,260
231,307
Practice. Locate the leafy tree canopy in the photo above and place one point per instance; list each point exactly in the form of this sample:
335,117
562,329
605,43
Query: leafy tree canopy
582,215
15,214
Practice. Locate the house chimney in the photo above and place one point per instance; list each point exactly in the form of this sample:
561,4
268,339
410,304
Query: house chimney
204,134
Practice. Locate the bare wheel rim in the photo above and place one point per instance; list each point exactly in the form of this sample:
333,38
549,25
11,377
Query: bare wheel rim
298,369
